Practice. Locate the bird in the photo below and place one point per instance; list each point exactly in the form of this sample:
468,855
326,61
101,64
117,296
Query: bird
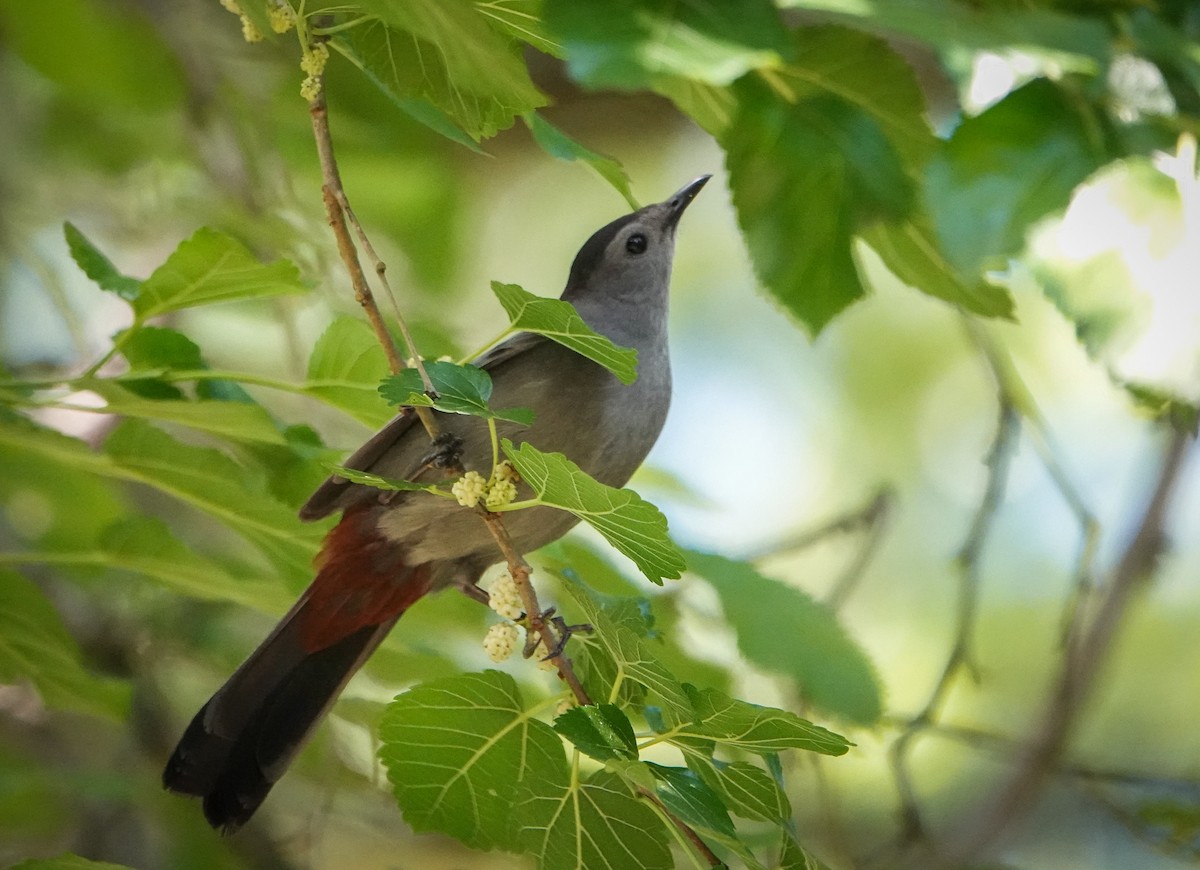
390,549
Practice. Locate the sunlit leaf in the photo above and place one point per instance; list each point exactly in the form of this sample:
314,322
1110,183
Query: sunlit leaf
98,267
601,731
747,790
591,824
214,483
35,646
633,526
387,484
1006,168
212,267
626,43
446,53
461,389
345,368
783,630
747,726
237,420
557,144
626,656
558,320
458,750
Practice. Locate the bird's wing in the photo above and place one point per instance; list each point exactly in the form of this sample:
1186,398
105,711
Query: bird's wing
328,496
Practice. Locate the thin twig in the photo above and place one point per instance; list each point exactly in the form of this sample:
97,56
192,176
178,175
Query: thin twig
968,562
864,517
874,517
381,272
334,196
1082,663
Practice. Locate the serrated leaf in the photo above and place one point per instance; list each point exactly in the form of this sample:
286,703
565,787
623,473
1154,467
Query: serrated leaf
458,749
809,173
558,321
793,856
839,141
595,824
98,267
236,420
632,525
909,250
461,389
212,267
214,483
601,731
157,347
628,43
628,655
786,631
35,646
557,144
1183,416
521,19
146,546
756,729
693,802
345,368
446,53
1006,168
748,790
388,484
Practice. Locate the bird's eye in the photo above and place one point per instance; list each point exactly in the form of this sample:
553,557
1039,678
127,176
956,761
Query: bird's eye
636,244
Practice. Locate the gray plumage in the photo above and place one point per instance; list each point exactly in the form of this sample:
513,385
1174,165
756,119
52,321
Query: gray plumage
389,549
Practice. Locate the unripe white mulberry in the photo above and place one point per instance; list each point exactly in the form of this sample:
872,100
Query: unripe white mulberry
500,493
469,488
504,598
500,641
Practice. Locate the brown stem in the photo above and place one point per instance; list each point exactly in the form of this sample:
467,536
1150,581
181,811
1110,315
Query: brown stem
1083,662
336,201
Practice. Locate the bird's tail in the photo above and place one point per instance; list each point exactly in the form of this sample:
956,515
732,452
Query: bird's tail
242,741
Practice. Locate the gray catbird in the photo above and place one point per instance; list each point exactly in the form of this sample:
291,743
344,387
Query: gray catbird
390,549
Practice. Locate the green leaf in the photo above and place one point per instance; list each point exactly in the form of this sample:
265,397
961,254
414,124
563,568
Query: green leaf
794,857
35,646
157,347
389,484
520,19
461,389
1076,42
601,731
694,803
747,726
1004,169
910,252
1182,415
627,43
797,198
748,790
557,144
558,321
147,547
837,143
212,267
214,483
595,824
446,53
345,369
236,420
633,526
626,655
784,630
98,267
458,749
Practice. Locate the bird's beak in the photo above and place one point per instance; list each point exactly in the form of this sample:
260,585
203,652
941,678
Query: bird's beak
683,197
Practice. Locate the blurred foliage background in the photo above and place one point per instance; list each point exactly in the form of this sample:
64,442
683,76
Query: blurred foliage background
957,473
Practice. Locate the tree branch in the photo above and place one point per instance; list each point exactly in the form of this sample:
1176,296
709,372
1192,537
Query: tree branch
1083,662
